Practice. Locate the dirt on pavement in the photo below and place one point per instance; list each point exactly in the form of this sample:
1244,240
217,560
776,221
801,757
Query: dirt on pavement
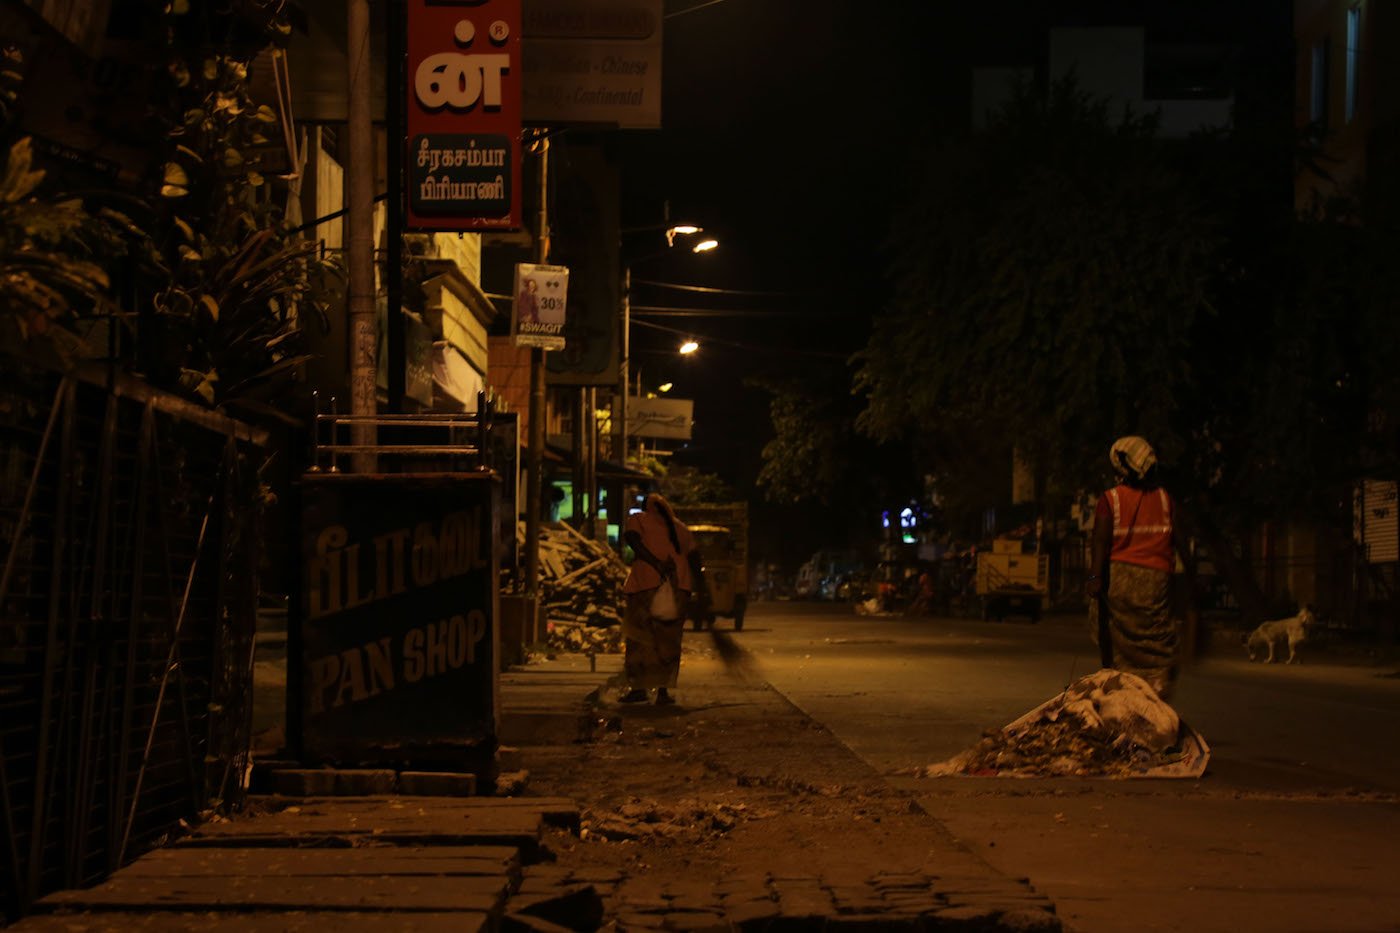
736,806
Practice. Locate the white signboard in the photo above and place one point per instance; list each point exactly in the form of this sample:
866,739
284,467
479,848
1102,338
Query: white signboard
592,61
663,418
541,294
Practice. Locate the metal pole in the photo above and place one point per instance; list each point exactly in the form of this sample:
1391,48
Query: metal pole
624,373
359,253
534,454
580,466
394,16
590,420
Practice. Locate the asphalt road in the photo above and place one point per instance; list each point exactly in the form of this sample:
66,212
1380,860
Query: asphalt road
1294,827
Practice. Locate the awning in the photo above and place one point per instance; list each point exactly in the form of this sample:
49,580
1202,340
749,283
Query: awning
454,376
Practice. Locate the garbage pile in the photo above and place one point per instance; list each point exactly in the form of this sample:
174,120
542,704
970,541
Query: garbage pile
690,820
580,591
1109,724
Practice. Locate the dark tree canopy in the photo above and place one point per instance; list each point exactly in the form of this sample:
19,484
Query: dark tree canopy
1048,274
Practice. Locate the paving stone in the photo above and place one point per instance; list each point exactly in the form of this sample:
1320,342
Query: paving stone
363,782
169,921
1030,921
260,782
597,876
752,915
747,892
302,782
646,905
577,907
183,862
900,879
970,918
437,783
874,922
279,893
698,922
806,903
523,923
695,903
552,873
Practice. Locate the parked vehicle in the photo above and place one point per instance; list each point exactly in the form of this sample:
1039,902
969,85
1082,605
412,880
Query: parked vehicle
822,574
1012,582
722,536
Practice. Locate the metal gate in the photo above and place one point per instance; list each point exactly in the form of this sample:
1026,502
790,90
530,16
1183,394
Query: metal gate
128,531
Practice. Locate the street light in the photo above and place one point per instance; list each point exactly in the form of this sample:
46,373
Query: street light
624,370
689,347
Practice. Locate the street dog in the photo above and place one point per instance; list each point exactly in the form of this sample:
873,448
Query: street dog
1272,635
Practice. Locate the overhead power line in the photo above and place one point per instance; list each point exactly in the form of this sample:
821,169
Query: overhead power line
704,289
735,344
691,9
673,311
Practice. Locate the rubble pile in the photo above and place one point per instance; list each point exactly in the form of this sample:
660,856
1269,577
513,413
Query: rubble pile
580,591
583,638
644,820
1108,724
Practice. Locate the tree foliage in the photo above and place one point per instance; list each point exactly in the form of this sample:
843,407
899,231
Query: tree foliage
240,285
215,289
809,455
1048,275
688,485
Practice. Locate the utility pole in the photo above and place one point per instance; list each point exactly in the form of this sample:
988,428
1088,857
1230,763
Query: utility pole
395,16
534,453
359,222
624,372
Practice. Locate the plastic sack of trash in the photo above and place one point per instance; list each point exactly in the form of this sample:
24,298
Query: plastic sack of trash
1108,724
665,602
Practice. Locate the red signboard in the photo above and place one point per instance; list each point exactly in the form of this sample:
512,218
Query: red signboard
462,167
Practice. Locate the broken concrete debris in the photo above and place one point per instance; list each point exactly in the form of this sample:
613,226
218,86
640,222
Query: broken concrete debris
580,591
1109,724
638,819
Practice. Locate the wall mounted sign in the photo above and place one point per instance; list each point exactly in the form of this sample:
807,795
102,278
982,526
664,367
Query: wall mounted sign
593,62
462,167
540,305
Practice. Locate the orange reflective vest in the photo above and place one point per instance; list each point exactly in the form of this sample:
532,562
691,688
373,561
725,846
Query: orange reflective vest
1142,527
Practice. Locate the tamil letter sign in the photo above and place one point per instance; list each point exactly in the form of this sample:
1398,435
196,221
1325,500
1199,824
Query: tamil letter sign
541,301
593,61
463,114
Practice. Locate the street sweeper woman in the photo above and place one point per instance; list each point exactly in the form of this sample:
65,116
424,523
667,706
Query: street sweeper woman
665,571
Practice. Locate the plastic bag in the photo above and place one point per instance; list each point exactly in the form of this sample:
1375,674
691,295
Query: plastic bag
665,602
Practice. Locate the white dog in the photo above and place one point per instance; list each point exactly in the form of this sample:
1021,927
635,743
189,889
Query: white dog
1294,630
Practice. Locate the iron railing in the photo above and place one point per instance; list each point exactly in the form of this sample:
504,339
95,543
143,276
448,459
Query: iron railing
128,593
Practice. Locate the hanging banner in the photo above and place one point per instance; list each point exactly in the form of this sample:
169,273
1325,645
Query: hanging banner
541,297
462,167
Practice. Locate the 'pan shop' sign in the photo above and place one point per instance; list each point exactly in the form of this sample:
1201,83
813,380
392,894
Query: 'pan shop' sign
463,114
397,638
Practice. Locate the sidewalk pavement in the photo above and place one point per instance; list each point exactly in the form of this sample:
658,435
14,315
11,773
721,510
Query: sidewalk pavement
397,862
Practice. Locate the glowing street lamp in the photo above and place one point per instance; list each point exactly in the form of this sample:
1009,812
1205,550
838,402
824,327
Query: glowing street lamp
689,347
665,387
704,246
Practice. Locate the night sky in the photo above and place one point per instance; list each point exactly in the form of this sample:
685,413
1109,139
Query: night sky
787,131
793,131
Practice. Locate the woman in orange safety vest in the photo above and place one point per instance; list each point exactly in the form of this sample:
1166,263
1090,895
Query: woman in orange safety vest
1130,571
